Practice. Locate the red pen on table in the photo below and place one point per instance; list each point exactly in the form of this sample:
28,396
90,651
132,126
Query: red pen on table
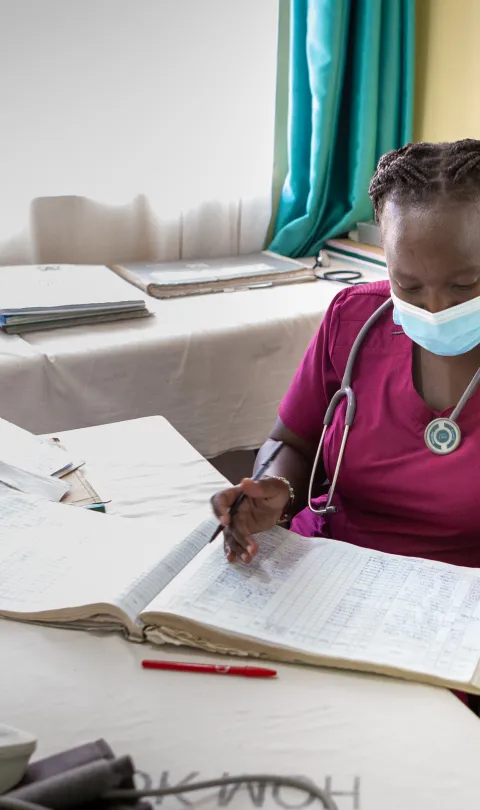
210,669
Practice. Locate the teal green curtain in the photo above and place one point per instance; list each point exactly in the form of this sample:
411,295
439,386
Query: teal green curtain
350,100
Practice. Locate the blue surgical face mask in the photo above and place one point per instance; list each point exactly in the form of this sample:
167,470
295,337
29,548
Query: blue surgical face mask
449,332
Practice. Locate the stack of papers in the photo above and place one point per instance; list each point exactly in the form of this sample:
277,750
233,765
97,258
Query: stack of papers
31,464
38,297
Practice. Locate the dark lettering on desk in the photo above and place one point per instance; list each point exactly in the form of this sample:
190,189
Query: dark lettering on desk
336,794
291,799
255,790
258,794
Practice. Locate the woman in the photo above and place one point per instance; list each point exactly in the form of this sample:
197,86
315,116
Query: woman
393,493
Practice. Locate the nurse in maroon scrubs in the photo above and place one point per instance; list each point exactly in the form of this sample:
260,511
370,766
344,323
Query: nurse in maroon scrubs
416,362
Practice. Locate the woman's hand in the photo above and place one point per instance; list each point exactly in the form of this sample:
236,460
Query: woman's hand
262,508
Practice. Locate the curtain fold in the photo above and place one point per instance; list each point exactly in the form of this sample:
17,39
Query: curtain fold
351,100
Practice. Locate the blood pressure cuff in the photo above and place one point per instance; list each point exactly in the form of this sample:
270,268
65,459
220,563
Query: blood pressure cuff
77,779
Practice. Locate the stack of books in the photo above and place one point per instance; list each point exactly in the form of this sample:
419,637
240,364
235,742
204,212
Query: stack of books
38,297
349,249
363,245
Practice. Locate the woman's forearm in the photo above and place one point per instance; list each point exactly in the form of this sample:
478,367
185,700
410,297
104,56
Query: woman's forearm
289,464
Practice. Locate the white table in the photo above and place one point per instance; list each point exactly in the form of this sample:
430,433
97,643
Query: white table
216,366
379,744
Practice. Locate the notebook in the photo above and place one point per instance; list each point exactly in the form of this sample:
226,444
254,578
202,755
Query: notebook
194,277
311,601
37,297
24,325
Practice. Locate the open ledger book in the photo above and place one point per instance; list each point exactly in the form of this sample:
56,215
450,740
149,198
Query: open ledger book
312,601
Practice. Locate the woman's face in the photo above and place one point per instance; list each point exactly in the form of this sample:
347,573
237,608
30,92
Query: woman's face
433,252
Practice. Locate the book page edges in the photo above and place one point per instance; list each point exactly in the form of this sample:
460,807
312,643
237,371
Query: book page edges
167,629
299,275
237,285
97,616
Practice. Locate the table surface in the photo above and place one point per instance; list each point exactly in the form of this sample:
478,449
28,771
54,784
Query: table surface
376,743
216,366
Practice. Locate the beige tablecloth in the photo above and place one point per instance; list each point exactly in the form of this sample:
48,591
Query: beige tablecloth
215,366
374,743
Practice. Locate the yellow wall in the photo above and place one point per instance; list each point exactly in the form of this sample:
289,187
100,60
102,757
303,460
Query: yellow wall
447,85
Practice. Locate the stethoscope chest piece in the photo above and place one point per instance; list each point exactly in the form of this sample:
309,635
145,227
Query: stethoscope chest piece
442,436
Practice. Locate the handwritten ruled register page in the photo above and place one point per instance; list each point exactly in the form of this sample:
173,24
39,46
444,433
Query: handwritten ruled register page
312,601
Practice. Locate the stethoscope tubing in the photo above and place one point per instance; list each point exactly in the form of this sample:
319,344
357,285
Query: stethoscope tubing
339,276
350,277
345,392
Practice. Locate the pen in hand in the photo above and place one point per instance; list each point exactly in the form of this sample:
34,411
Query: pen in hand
256,477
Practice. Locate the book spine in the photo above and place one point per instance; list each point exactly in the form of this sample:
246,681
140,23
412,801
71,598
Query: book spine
132,278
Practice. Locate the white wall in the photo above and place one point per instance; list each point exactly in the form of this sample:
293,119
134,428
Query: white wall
112,99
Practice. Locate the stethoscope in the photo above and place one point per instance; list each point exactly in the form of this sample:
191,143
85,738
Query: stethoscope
351,277
442,435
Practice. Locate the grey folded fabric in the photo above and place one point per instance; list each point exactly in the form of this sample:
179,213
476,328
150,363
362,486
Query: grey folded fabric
77,779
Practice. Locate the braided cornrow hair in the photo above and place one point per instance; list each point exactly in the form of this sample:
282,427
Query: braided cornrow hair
422,172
